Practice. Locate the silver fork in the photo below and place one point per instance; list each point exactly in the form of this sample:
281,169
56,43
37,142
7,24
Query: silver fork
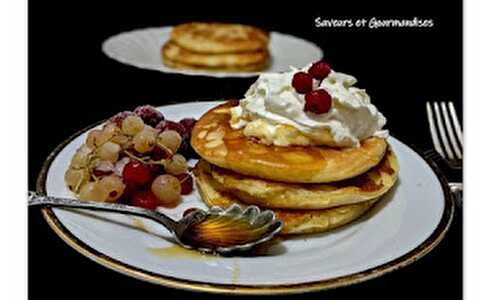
447,138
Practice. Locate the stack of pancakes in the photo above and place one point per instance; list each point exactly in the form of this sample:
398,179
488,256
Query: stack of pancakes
216,46
311,189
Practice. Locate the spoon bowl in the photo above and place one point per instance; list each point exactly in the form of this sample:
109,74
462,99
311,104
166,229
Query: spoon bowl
232,229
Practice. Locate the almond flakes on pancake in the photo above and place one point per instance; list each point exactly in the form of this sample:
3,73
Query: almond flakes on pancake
296,164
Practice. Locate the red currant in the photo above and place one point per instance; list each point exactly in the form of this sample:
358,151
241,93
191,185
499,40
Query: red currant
119,117
319,70
156,170
188,124
302,82
318,101
186,183
158,153
130,190
188,211
149,114
183,128
145,199
137,173
171,125
186,148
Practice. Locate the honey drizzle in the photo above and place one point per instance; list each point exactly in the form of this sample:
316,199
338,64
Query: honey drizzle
241,148
235,276
223,231
139,224
176,251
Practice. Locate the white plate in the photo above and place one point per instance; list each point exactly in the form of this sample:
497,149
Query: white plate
406,224
142,48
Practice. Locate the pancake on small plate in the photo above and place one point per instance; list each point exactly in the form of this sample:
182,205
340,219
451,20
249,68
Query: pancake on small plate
175,56
295,221
217,38
217,47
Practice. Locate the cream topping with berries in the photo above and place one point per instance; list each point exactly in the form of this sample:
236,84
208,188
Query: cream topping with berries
329,111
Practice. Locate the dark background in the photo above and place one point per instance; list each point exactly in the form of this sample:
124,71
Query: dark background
73,84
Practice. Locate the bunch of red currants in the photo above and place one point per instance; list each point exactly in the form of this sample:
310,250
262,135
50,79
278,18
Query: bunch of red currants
316,101
137,158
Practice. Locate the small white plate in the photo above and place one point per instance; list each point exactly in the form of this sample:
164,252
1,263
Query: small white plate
142,48
406,224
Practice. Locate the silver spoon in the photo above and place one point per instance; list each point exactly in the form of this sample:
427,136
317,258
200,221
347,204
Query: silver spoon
216,230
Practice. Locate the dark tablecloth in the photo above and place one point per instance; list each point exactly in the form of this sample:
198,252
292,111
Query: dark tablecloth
73,84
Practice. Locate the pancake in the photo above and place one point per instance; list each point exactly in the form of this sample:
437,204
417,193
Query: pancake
295,221
217,38
215,141
273,194
247,68
175,54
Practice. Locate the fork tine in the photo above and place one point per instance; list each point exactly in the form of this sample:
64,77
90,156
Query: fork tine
449,129
456,123
432,127
442,133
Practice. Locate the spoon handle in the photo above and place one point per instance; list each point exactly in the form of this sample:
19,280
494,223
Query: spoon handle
36,199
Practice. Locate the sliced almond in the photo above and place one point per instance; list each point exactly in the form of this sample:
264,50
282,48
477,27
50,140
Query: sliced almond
213,144
208,126
221,151
202,134
217,134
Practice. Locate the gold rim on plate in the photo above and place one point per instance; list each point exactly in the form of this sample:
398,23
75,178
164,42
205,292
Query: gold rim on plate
114,264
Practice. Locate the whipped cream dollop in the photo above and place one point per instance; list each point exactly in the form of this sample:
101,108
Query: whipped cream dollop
274,112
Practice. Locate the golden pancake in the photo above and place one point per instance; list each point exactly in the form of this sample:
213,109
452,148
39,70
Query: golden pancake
174,53
219,38
273,194
295,221
215,141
